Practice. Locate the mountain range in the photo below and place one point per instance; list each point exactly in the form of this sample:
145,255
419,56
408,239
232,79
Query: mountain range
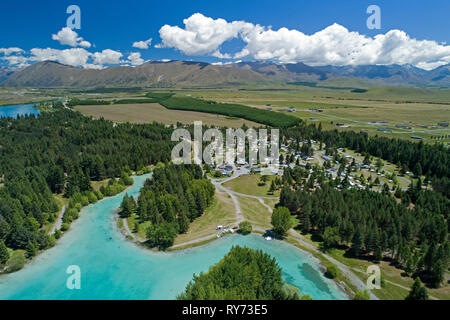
200,74
5,73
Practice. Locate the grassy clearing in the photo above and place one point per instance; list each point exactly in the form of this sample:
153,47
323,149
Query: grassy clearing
96,185
250,184
222,212
255,212
132,221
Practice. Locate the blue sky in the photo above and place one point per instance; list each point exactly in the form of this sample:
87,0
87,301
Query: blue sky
115,25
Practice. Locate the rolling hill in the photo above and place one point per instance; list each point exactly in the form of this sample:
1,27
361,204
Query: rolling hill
49,74
150,74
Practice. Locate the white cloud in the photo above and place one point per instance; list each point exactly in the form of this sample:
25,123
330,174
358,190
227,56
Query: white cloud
135,58
16,61
432,65
220,55
334,45
12,50
142,44
93,66
201,35
77,57
107,56
67,36
14,57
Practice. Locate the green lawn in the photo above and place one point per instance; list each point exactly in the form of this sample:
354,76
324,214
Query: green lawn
250,184
255,212
221,212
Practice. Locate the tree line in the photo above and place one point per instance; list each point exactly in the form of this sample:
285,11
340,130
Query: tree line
270,118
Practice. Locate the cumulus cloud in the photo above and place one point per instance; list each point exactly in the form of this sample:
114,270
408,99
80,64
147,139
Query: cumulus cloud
142,44
107,56
16,61
334,45
14,57
135,59
67,36
9,51
201,35
77,57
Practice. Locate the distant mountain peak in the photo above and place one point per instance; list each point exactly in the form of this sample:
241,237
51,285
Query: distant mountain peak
195,73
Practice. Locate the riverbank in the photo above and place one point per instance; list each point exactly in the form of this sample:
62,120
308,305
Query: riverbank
57,228
116,269
346,285
346,280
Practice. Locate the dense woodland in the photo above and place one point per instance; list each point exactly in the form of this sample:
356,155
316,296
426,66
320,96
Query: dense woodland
411,230
61,152
243,274
171,200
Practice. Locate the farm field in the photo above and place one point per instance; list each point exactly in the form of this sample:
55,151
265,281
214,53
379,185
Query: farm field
148,113
419,109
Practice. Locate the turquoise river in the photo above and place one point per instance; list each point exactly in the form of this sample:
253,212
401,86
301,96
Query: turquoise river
115,268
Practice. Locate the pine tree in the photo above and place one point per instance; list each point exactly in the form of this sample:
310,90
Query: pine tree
418,291
4,254
437,274
272,187
357,242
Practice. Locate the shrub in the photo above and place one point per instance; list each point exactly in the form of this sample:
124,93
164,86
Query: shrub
99,195
65,227
332,272
92,197
16,262
84,201
57,234
362,295
245,227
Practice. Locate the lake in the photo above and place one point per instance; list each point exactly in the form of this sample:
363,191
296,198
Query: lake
18,109
115,268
